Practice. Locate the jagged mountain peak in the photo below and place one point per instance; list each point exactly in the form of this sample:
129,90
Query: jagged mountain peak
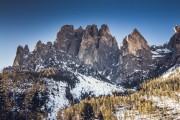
92,30
134,42
67,29
26,48
38,45
104,30
135,31
21,51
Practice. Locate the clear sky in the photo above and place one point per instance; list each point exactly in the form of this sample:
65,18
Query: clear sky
27,21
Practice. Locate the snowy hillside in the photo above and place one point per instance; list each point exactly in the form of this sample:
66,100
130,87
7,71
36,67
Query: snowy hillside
87,85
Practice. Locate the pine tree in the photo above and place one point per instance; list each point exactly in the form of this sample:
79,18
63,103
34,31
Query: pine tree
87,112
100,116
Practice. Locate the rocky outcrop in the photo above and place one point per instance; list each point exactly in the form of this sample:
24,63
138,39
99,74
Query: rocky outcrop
75,45
135,58
21,53
65,37
98,47
89,47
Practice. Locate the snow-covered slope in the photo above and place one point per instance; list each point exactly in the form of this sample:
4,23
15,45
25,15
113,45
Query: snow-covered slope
87,85
173,71
56,97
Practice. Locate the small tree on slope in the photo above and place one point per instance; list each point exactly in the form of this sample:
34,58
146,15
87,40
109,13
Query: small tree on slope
87,112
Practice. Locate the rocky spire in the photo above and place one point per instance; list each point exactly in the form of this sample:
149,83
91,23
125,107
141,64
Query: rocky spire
92,30
26,49
134,42
38,46
20,53
65,37
96,46
20,50
104,30
76,42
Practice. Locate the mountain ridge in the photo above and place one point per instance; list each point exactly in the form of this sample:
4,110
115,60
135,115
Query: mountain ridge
99,49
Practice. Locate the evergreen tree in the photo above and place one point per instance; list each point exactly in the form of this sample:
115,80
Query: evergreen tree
87,112
100,116
36,101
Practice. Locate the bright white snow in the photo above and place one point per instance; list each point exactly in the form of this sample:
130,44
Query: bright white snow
90,84
56,91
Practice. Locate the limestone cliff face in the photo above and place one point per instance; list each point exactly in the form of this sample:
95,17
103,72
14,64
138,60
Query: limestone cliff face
75,45
65,37
98,47
133,43
88,49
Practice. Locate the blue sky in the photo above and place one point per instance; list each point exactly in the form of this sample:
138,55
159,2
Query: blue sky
27,21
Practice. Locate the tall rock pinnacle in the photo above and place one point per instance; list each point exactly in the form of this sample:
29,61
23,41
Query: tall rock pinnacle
65,37
20,54
134,42
98,48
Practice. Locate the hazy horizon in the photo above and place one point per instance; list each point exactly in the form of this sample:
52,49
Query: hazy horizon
26,22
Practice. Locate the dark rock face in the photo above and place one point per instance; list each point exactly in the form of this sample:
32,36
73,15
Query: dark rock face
96,50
